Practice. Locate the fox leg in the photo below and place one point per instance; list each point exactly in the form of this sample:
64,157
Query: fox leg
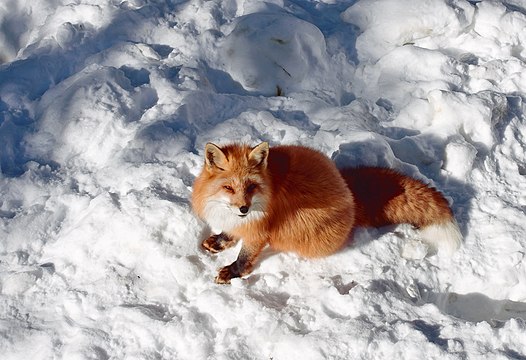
243,265
219,242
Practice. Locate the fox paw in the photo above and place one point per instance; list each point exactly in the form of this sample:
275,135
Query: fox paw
215,243
225,275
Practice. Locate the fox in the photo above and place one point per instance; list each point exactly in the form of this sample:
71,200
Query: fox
294,199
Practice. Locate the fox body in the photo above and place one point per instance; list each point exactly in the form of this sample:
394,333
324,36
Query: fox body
293,198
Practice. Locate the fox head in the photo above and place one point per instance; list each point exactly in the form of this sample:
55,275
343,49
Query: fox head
236,184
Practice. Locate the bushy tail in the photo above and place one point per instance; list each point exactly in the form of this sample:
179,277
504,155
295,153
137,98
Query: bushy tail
384,196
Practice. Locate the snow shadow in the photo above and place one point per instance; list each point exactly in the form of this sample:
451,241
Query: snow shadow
339,35
470,307
13,125
477,307
200,116
45,64
223,83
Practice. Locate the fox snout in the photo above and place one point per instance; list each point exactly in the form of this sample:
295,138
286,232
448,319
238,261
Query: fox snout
240,200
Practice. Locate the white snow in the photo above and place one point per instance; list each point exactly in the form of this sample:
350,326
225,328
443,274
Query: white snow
274,53
105,109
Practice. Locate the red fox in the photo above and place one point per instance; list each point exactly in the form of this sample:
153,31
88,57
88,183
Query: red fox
293,198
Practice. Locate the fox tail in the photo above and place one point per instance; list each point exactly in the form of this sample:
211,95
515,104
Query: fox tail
384,196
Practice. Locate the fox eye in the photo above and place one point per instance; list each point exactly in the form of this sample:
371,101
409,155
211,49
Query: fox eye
228,188
251,188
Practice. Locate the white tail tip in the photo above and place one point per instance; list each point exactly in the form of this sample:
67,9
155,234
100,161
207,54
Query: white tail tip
444,237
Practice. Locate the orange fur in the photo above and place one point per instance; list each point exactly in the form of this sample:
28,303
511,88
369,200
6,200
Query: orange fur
297,200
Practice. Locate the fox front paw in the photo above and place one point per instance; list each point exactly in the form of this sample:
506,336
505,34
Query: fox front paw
216,243
241,267
226,274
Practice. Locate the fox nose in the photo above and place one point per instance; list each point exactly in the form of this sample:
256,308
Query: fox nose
243,209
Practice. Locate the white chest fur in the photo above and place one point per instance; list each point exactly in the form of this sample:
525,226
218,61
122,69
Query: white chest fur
222,217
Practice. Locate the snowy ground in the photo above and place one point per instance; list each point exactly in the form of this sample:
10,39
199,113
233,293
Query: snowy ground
105,107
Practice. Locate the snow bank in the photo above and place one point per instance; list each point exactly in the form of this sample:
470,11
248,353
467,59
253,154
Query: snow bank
274,53
105,108
389,24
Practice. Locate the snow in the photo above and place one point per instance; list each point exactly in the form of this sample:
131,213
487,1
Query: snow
105,109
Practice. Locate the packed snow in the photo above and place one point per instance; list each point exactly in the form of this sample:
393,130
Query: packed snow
105,109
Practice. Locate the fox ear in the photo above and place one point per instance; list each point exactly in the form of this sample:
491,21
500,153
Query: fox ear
215,157
258,156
